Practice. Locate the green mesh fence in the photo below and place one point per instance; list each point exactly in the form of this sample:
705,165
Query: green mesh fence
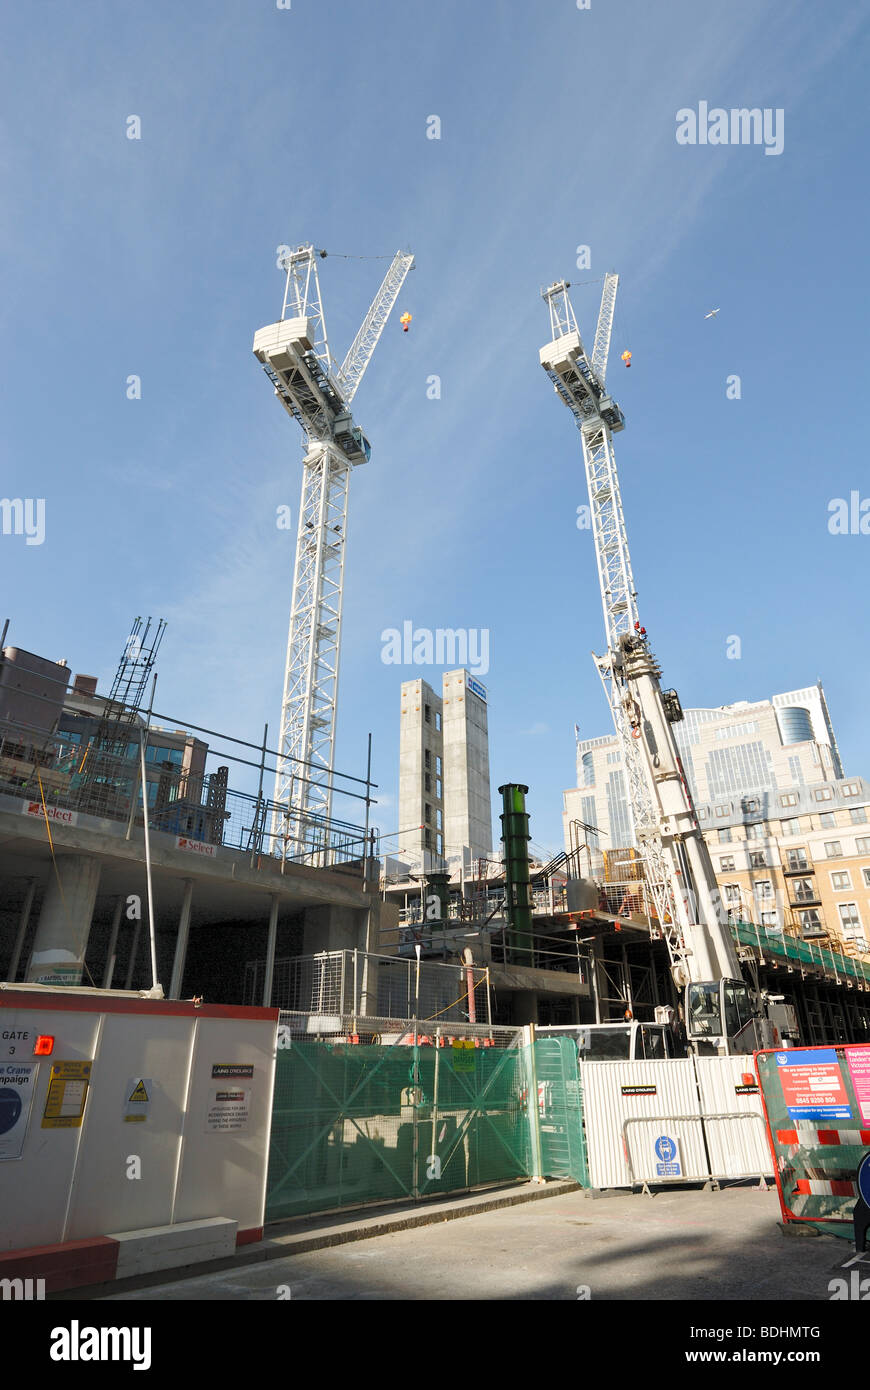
560,1109
817,1103
355,1124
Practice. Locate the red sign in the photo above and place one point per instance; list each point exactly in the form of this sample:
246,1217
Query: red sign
858,1059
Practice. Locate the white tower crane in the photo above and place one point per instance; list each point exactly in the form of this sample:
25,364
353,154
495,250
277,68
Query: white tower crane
721,1014
318,394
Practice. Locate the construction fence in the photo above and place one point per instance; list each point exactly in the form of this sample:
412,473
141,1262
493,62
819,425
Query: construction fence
683,1120
356,1123
332,985
817,1105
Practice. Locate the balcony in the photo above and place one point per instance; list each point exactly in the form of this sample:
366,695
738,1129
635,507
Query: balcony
809,899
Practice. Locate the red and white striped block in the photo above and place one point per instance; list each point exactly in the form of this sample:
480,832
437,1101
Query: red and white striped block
808,1136
832,1187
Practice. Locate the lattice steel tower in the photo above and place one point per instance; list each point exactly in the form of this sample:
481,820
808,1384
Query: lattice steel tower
318,394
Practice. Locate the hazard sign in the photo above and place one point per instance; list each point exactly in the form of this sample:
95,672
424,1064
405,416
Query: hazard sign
137,1098
464,1058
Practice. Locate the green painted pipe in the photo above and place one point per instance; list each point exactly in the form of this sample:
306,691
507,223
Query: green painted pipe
515,839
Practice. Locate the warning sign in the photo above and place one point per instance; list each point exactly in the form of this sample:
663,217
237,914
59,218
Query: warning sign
17,1083
223,1071
812,1086
229,1111
137,1103
463,1054
67,1094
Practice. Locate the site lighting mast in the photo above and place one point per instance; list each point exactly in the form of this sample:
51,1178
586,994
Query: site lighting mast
679,871
318,394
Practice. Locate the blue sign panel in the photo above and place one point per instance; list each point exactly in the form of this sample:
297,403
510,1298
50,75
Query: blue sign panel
666,1152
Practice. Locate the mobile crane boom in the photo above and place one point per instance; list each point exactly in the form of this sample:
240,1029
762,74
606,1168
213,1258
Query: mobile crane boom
721,1013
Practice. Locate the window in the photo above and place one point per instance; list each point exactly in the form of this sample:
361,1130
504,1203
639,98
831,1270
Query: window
732,892
833,849
732,1017
427,838
827,820
723,810
755,830
437,766
862,845
797,859
614,757
858,815
725,836
704,1015
790,799
427,713
849,918
866,873
438,792
439,825
841,881
427,782
791,827
427,758
428,813
803,890
811,923
727,865
702,814
764,888
770,920
751,804
851,788
437,722
757,860
823,793
439,844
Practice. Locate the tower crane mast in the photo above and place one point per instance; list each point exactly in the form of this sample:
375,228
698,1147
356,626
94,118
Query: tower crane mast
317,393
721,1015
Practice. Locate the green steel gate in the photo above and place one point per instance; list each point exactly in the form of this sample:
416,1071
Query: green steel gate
354,1123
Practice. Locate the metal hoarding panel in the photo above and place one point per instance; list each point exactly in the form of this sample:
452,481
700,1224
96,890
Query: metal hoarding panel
627,1106
737,1146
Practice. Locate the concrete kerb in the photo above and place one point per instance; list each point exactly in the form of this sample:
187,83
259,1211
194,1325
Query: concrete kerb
338,1228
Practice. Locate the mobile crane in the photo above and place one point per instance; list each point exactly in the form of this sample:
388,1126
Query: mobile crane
722,1013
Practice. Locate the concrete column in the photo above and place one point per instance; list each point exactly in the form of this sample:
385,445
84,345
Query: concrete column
134,951
112,952
181,941
270,952
58,954
22,930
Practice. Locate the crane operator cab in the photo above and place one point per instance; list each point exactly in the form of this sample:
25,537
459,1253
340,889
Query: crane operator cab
723,1019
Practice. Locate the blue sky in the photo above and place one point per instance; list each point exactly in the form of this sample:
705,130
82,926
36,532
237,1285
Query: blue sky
263,126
